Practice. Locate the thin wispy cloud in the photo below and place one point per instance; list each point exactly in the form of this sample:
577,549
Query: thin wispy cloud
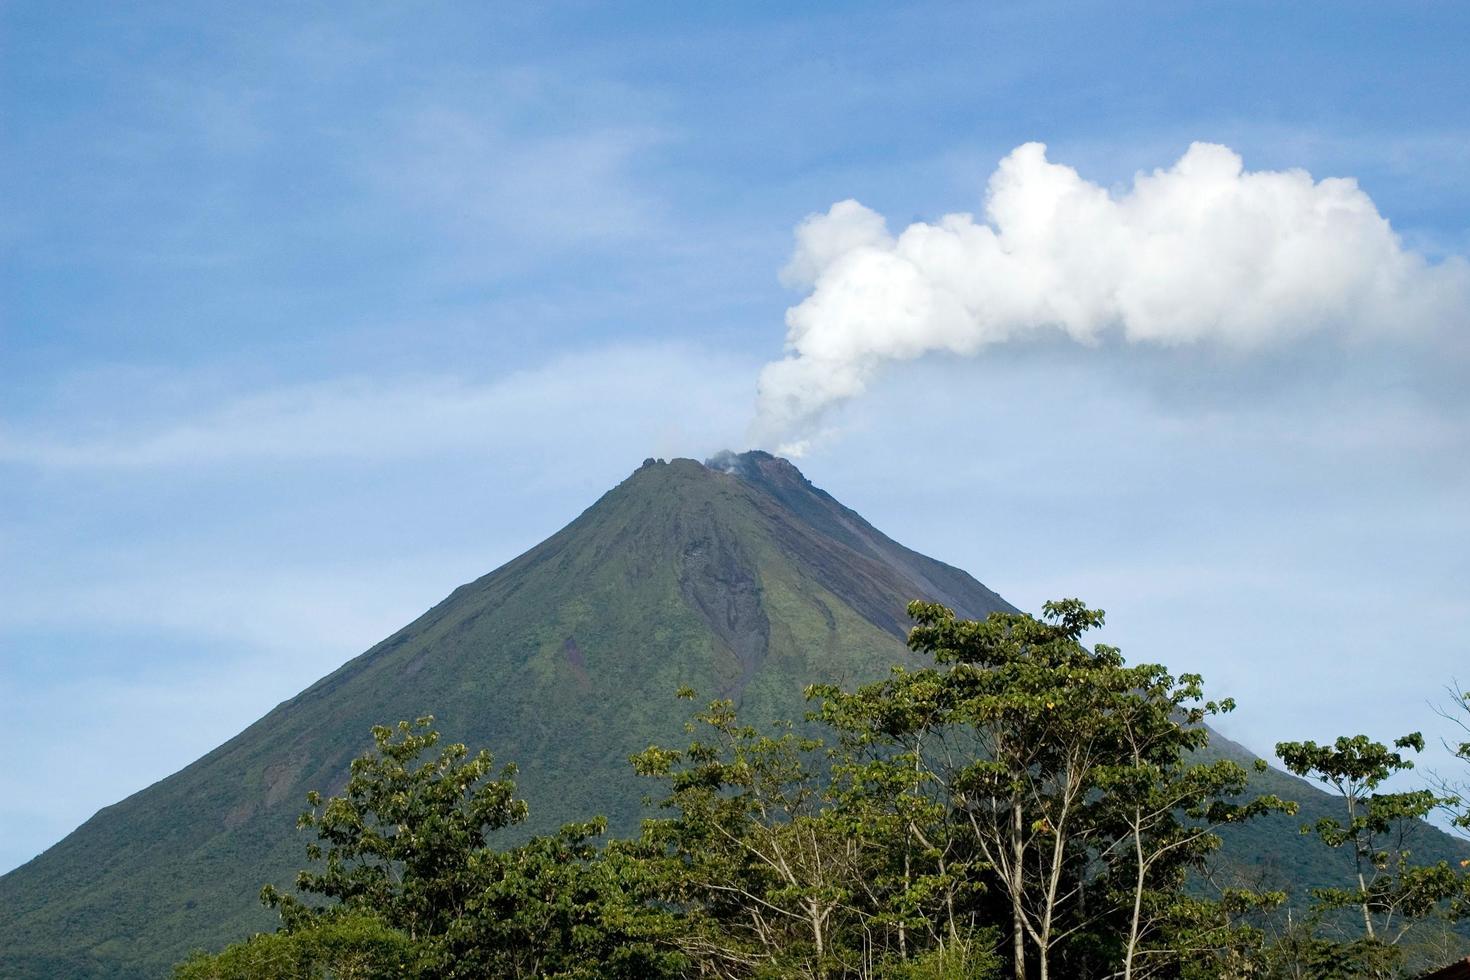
625,390
482,175
317,613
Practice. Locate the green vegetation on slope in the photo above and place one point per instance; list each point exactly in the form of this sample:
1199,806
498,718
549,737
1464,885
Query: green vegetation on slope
738,579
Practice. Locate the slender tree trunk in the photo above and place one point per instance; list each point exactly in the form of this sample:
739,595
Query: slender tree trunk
1054,880
1133,927
903,946
1018,914
1367,916
954,929
1018,940
1044,943
819,940
1359,849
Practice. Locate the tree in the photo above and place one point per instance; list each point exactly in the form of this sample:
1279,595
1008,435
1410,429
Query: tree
1455,793
1390,892
761,869
349,946
560,906
922,887
792,859
400,840
1166,808
1062,772
407,883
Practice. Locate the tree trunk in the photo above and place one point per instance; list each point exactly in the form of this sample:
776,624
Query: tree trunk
1018,941
903,945
1367,916
1133,928
819,940
1018,914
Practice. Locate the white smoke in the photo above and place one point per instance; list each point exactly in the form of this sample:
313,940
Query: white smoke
1203,252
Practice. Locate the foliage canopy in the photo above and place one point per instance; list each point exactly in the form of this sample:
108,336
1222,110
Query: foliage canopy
1027,806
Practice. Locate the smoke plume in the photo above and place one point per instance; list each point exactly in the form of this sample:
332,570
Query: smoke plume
1202,252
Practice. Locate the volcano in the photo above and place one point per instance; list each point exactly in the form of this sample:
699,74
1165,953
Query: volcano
735,577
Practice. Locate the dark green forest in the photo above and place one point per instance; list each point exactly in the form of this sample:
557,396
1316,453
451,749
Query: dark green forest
1012,803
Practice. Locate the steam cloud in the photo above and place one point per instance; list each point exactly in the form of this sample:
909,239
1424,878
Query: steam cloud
1203,252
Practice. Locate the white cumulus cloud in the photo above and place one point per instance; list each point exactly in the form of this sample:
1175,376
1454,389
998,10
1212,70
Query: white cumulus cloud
1202,252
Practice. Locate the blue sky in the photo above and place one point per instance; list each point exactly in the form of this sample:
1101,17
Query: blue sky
309,313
